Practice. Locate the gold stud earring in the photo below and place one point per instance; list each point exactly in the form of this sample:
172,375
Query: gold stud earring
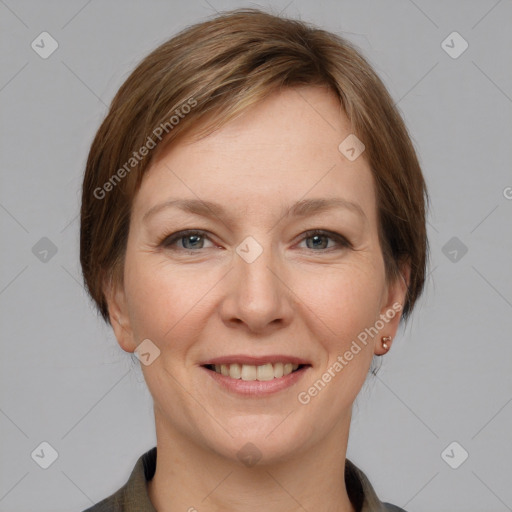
385,340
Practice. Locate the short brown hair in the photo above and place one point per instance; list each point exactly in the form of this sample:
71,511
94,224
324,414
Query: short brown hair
217,69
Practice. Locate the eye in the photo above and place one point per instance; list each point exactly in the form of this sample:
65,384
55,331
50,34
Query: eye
192,240
188,240
318,240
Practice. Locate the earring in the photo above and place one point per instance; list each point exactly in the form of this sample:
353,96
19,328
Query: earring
385,340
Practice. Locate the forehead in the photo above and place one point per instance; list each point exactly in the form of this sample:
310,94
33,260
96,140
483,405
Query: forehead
281,150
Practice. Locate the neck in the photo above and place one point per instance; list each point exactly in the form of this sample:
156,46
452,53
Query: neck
191,478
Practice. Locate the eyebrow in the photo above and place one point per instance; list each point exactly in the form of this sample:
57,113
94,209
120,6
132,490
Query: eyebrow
301,208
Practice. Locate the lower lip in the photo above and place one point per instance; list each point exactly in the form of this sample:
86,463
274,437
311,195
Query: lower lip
257,388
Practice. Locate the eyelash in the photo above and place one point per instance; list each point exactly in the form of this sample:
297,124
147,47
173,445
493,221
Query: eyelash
168,240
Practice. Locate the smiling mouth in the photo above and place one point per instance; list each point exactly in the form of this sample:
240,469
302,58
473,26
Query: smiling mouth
248,372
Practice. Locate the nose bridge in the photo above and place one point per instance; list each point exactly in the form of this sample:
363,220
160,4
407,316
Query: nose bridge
256,278
257,296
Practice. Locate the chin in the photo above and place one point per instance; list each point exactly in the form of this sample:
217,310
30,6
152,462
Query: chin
263,442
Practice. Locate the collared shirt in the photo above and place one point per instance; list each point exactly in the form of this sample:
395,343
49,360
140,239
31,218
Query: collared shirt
133,496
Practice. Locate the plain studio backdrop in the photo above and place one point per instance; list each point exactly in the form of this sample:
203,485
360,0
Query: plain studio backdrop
433,430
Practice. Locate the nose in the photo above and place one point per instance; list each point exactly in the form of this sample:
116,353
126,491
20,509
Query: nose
257,296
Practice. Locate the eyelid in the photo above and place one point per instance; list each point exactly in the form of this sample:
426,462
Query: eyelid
337,237
170,239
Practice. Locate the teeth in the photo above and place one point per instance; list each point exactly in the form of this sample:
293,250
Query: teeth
265,372
235,372
278,370
251,372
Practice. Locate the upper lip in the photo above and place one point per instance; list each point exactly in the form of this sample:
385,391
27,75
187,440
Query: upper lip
256,361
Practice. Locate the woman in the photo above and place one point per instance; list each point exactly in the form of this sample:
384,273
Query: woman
253,228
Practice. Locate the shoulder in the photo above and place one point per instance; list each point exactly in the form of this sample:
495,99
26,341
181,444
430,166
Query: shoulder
361,492
133,496
110,504
388,507
114,503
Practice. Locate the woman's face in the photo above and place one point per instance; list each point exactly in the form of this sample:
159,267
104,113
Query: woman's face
254,282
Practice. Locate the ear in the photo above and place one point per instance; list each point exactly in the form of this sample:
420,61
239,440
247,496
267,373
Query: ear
118,313
391,312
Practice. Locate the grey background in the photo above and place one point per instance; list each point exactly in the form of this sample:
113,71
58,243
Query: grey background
64,380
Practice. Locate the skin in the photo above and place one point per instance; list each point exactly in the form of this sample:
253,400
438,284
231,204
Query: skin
302,296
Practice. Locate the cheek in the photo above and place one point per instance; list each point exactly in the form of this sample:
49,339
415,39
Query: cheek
345,298
341,304
165,303
350,304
